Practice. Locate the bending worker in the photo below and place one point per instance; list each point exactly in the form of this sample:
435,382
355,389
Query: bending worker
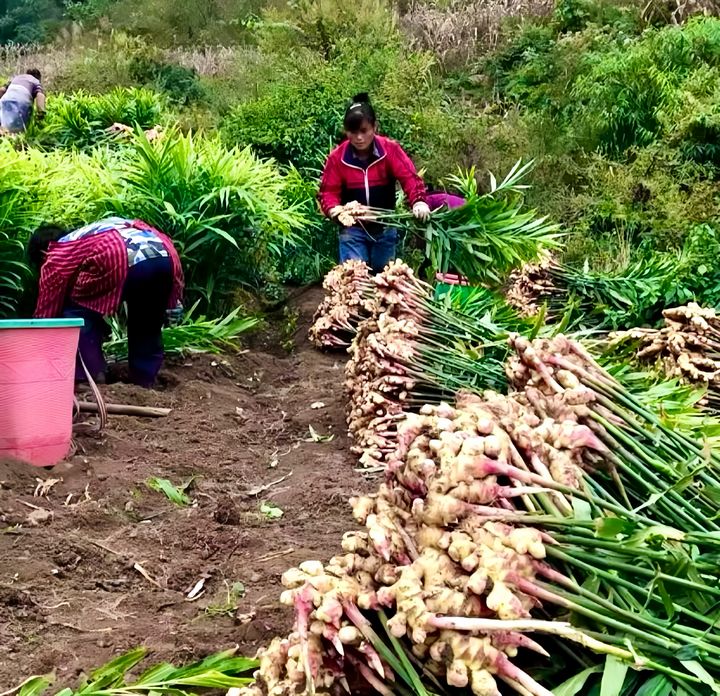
16,101
365,168
89,272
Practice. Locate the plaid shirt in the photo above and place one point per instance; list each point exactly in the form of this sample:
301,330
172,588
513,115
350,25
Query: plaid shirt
91,271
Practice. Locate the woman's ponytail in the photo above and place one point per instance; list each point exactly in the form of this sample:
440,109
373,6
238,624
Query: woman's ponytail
359,110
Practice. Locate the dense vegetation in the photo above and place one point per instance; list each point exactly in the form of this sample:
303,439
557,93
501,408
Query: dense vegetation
615,101
229,109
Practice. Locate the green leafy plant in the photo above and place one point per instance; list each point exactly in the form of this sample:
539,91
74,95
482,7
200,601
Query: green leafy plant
223,208
175,494
81,120
233,594
193,335
14,273
226,211
315,249
271,511
222,670
635,292
180,84
487,237
621,118
289,328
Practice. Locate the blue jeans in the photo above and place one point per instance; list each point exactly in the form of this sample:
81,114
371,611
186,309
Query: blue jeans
376,249
93,334
146,292
14,117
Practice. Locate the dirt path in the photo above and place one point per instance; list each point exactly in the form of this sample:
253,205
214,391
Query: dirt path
71,594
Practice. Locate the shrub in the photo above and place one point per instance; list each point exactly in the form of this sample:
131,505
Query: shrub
627,97
28,21
179,83
576,15
324,27
61,188
699,137
85,10
94,62
623,125
223,208
526,69
312,59
81,120
296,123
297,118
14,273
695,130
315,251
168,23
232,216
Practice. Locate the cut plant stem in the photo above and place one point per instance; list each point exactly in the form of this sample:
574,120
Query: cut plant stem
558,628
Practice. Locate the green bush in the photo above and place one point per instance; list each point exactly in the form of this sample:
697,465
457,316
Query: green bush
94,63
86,10
631,94
623,125
224,208
296,124
232,216
169,23
81,120
14,274
28,21
696,130
58,187
576,15
526,66
297,118
180,84
315,251
606,86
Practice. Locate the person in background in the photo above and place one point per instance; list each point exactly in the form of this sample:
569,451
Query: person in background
16,101
87,273
365,168
437,199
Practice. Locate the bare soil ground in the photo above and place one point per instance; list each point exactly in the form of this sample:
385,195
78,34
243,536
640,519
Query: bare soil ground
105,564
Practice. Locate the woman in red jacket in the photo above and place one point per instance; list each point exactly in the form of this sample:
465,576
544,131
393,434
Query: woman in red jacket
365,168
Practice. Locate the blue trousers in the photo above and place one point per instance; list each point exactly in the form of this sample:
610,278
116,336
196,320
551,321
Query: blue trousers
146,292
14,117
375,249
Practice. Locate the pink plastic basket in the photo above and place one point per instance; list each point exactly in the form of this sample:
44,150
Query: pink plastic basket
37,375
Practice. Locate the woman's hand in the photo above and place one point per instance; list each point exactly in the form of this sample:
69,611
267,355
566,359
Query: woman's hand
421,211
173,317
336,214
348,215
340,214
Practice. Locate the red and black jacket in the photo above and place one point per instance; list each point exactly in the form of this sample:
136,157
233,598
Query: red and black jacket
344,179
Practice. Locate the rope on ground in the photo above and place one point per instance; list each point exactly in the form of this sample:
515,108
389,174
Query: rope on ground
97,396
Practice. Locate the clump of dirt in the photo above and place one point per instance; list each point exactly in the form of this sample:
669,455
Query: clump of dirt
226,512
111,565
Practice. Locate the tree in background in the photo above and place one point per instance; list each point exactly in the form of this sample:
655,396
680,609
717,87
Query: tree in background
28,21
